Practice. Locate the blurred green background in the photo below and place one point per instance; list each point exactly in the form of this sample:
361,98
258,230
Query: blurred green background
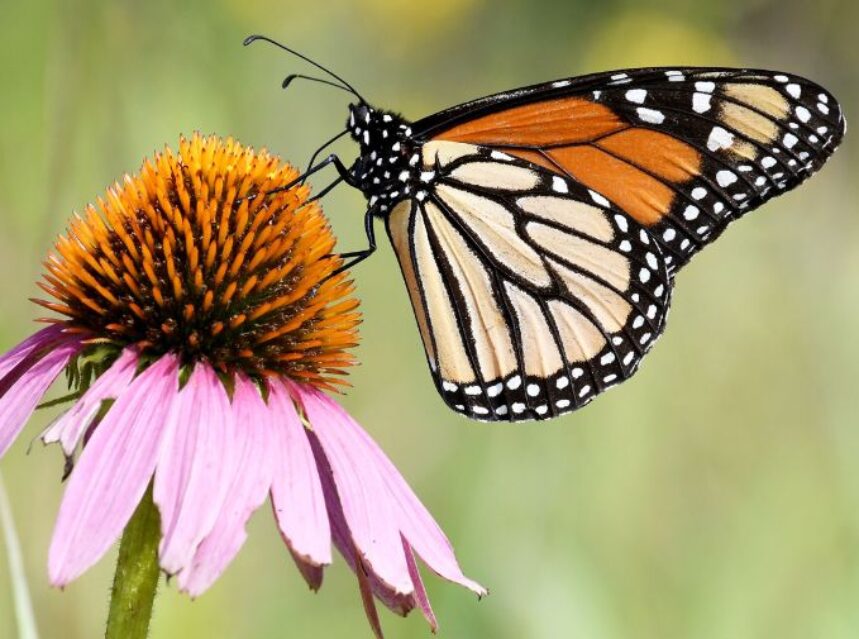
716,495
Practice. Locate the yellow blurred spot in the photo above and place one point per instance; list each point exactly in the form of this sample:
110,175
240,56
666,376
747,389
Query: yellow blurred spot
642,38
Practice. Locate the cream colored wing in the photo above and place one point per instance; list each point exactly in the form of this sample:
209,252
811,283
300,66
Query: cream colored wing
532,294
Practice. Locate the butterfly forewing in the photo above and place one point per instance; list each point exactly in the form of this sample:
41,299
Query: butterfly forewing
683,151
532,293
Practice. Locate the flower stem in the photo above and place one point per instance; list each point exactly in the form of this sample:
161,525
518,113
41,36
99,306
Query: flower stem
137,572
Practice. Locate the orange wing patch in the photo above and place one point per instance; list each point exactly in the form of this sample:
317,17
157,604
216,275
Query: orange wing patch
659,153
633,167
561,121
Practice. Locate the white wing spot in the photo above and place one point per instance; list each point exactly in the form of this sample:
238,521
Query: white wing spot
607,359
559,185
794,90
691,212
599,199
803,114
473,390
701,102
790,140
669,235
625,246
719,139
562,383
644,275
651,116
622,224
705,87
514,382
651,261
636,95
726,178
699,193
533,390
495,390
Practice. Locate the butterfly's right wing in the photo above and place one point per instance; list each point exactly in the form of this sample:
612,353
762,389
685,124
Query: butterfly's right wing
532,293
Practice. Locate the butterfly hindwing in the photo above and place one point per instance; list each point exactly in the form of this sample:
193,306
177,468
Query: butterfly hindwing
532,293
683,151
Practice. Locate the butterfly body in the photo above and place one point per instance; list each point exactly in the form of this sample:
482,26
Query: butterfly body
539,230
386,169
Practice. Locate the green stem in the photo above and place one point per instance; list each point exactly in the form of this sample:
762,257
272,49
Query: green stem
137,572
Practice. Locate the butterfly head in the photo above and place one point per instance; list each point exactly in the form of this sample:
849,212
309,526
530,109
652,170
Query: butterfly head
387,165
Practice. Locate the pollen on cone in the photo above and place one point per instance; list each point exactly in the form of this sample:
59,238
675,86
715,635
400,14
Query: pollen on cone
201,255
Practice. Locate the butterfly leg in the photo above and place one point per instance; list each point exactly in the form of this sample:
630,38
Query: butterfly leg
344,176
354,257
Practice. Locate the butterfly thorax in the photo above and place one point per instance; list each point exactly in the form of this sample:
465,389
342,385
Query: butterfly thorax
387,168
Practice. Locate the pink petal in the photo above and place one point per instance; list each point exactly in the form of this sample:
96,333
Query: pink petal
69,428
113,472
420,592
28,347
342,537
23,394
417,525
363,494
248,466
296,491
311,572
190,482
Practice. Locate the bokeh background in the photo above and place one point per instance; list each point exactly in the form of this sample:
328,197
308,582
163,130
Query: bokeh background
714,496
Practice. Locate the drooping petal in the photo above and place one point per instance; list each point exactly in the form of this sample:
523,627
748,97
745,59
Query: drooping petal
31,345
421,596
296,491
190,482
69,428
341,535
363,494
113,472
417,525
248,465
22,396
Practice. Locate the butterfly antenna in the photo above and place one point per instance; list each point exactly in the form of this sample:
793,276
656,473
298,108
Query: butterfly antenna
300,76
345,85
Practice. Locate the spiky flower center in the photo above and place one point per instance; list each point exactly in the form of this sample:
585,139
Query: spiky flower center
198,254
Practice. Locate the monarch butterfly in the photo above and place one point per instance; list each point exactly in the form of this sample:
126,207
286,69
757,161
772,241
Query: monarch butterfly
539,230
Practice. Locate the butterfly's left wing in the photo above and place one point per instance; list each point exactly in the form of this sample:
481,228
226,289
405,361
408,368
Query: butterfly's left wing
684,151
532,293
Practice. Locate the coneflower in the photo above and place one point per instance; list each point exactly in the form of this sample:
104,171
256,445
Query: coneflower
203,317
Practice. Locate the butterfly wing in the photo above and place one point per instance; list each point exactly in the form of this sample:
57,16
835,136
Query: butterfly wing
684,151
532,293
